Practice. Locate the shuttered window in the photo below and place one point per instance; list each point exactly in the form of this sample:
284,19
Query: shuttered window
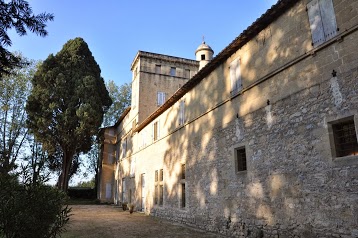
181,112
322,21
160,98
235,77
155,131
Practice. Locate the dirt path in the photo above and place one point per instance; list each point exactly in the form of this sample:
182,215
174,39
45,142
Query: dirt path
110,221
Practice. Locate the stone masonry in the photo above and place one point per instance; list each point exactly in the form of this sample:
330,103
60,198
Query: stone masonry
290,97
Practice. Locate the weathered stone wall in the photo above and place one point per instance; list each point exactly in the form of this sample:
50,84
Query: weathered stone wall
293,186
151,82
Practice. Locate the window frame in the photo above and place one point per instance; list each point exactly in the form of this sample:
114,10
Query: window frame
235,77
155,130
347,159
182,187
322,21
241,163
234,159
161,97
181,117
173,71
159,187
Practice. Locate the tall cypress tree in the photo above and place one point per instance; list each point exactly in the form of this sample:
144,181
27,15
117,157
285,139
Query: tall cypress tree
67,102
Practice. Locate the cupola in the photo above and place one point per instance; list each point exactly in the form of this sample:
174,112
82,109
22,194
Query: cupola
204,54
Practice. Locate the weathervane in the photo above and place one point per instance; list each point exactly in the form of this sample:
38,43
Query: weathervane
203,39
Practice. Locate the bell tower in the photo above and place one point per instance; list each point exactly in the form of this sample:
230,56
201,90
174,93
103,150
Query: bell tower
204,54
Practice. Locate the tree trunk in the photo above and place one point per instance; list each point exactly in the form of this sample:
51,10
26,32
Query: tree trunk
66,165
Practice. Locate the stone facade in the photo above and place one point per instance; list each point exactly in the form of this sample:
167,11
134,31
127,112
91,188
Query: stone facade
282,113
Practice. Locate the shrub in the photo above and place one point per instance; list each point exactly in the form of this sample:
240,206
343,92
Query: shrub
31,210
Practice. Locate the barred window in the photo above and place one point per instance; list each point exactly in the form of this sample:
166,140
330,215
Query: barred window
240,154
345,138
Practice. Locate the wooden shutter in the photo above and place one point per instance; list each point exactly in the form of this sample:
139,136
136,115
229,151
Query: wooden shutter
316,25
328,19
181,112
158,98
235,76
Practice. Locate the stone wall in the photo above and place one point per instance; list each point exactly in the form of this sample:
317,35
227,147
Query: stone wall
292,188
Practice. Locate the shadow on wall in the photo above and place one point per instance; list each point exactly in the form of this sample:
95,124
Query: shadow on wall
271,194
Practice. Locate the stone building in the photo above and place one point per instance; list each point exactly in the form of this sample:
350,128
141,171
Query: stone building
258,141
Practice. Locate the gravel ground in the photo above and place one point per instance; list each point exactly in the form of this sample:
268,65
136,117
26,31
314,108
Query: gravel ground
111,221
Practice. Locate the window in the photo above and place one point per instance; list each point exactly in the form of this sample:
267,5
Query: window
182,187
181,112
158,69
186,73
158,187
183,171
144,138
160,98
344,135
161,177
161,194
235,77
322,21
156,194
183,195
172,71
155,131
202,57
240,156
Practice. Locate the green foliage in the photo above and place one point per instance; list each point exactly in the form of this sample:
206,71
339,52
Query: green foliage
86,184
31,210
121,97
66,105
14,90
18,14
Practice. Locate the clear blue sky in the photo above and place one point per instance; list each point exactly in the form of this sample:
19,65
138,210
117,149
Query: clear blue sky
116,29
